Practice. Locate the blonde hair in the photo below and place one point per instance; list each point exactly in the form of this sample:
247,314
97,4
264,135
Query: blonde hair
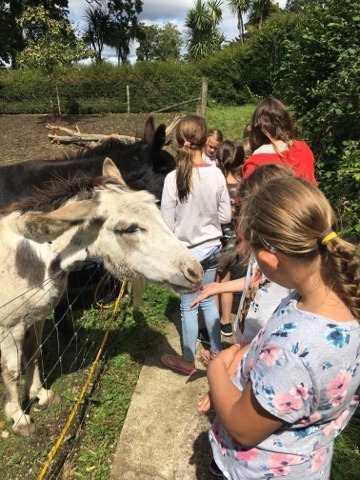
191,135
293,217
217,134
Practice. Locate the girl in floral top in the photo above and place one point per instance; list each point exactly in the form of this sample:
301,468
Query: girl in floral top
294,387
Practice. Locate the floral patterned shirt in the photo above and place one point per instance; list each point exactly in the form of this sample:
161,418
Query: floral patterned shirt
305,370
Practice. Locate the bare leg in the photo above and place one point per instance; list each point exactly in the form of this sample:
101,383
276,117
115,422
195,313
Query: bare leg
226,301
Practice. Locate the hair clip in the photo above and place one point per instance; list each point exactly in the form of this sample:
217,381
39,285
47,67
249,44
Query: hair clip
187,144
267,245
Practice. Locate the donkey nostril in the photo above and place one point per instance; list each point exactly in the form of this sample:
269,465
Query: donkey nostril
193,275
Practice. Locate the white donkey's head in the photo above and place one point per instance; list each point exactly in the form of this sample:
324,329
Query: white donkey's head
104,218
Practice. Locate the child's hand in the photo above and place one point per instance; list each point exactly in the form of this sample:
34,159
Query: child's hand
206,291
204,405
227,356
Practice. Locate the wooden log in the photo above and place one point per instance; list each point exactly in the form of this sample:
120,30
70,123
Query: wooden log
75,136
173,124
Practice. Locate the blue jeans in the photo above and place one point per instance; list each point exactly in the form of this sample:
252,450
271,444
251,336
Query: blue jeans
189,316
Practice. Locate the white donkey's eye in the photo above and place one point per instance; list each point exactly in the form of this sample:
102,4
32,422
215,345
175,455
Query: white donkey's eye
128,230
133,228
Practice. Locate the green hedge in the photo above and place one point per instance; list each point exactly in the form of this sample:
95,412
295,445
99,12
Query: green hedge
100,89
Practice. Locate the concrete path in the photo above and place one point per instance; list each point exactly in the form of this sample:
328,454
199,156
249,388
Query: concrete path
164,438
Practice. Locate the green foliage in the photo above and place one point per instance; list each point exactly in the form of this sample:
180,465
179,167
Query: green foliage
51,44
159,43
230,120
12,40
260,10
264,52
5,34
320,78
97,29
102,88
346,459
204,35
240,8
124,26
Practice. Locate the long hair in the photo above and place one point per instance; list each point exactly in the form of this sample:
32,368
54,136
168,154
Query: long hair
292,216
191,135
270,121
230,156
259,176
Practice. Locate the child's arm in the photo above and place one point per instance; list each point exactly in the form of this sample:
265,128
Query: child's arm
237,354
240,413
215,288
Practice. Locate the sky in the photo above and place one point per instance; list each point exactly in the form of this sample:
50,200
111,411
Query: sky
160,12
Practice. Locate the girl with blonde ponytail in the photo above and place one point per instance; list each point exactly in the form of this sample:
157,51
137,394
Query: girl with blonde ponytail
294,388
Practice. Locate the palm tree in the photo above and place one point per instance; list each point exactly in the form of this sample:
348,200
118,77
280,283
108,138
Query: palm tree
260,10
97,29
239,8
202,22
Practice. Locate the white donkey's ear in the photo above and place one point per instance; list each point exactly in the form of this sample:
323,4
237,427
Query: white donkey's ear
45,227
111,170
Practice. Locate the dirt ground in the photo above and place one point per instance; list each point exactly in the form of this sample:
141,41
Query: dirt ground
25,137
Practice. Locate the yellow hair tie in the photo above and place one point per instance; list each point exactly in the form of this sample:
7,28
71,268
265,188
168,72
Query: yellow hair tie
328,237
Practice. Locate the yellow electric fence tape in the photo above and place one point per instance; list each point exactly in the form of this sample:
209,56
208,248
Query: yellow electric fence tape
70,418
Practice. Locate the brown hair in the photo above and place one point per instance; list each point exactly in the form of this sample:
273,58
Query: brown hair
259,176
230,156
270,121
293,216
191,134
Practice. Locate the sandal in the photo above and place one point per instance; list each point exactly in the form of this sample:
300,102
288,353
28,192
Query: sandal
173,363
215,470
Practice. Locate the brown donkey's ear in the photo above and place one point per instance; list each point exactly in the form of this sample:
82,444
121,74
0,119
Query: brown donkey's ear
149,130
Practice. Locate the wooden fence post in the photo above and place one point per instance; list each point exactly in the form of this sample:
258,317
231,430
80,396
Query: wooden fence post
204,97
128,98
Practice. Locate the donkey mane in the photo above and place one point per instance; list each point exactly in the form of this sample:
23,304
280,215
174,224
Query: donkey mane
59,190
104,148
107,147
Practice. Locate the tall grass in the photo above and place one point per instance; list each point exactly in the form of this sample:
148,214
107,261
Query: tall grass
230,120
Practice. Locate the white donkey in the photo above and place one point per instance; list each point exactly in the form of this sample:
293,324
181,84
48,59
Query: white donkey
43,237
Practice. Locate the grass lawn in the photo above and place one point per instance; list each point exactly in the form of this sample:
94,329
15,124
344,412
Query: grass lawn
230,120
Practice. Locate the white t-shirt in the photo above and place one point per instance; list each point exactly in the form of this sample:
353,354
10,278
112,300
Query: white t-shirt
197,222
211,160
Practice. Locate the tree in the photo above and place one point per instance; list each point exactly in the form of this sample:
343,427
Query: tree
260,10
156,43
239,8
98,29
50,45
296,5
124,26
11,34
202,22
5,34
319,78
